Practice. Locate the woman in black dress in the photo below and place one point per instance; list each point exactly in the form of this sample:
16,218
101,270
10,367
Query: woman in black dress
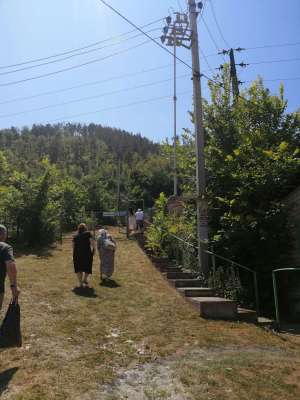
83,251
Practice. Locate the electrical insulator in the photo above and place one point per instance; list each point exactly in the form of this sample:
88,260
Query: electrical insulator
168,19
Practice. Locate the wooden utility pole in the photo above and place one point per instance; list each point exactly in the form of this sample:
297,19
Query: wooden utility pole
233,75
202,218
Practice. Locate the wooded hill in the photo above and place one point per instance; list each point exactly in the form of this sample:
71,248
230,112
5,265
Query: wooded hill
56,173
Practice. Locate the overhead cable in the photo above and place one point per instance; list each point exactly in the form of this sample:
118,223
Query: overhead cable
81,99
78,48
119,107
74,66
145,33
274,61
73,55
91,83
217,23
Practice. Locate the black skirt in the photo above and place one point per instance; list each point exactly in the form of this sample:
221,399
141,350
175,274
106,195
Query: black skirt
82,253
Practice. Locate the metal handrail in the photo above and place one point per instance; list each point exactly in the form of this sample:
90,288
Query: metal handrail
276,291
233,263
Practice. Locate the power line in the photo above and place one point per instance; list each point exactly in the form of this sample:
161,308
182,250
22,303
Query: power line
91,83
273,45
275,61
73,55
217,23
201,51
90,97
212,37
74,66
296,78
78,48
144,33
205,59
118,107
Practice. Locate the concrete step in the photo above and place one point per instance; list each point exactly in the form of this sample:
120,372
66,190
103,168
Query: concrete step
180,275
215,307
185,282
246,315
196,291
166,269
160,261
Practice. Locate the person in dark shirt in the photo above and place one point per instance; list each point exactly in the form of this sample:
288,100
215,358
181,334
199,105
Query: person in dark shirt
83,251
7,267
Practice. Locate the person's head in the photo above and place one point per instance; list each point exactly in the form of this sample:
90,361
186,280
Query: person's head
102,232
131,211
82,228
139,210
3,233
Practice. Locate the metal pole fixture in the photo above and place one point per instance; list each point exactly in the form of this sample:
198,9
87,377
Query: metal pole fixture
183,32
175,34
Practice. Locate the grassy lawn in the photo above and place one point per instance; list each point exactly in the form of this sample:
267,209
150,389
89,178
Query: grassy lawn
139,340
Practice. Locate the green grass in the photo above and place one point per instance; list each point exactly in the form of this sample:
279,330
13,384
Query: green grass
75,346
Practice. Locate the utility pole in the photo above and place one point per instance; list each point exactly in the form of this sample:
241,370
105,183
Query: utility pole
175,34
118,184
233,73
175,119
202,218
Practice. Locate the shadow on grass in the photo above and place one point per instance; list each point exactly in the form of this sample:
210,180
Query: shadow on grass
5,378
109,283
85,292
43,252
292,329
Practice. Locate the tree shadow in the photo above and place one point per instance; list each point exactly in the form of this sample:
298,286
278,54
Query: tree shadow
85,292
5,378
43,252
109,283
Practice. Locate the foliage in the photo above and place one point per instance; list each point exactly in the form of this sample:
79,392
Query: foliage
51,177
252,163
157,233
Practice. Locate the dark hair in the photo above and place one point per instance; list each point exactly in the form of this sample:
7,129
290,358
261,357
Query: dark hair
131,211
82,228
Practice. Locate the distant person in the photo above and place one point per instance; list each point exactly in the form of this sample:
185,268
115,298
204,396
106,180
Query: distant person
7,267
83,251
131,221
139,216
106,246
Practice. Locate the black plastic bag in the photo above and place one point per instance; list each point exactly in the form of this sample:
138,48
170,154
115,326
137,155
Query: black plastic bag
10,330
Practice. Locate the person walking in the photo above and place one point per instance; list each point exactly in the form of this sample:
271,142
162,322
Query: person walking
83,251
7,267
131,221
139,216
106,246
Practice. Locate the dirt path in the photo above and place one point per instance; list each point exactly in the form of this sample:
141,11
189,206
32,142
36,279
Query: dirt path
138,340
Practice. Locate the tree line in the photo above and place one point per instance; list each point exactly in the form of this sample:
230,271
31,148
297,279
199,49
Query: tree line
52,176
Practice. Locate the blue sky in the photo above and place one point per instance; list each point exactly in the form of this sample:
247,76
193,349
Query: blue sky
34,29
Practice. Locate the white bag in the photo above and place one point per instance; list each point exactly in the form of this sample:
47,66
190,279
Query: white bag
109,244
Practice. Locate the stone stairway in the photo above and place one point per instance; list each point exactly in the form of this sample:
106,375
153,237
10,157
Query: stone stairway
202,298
